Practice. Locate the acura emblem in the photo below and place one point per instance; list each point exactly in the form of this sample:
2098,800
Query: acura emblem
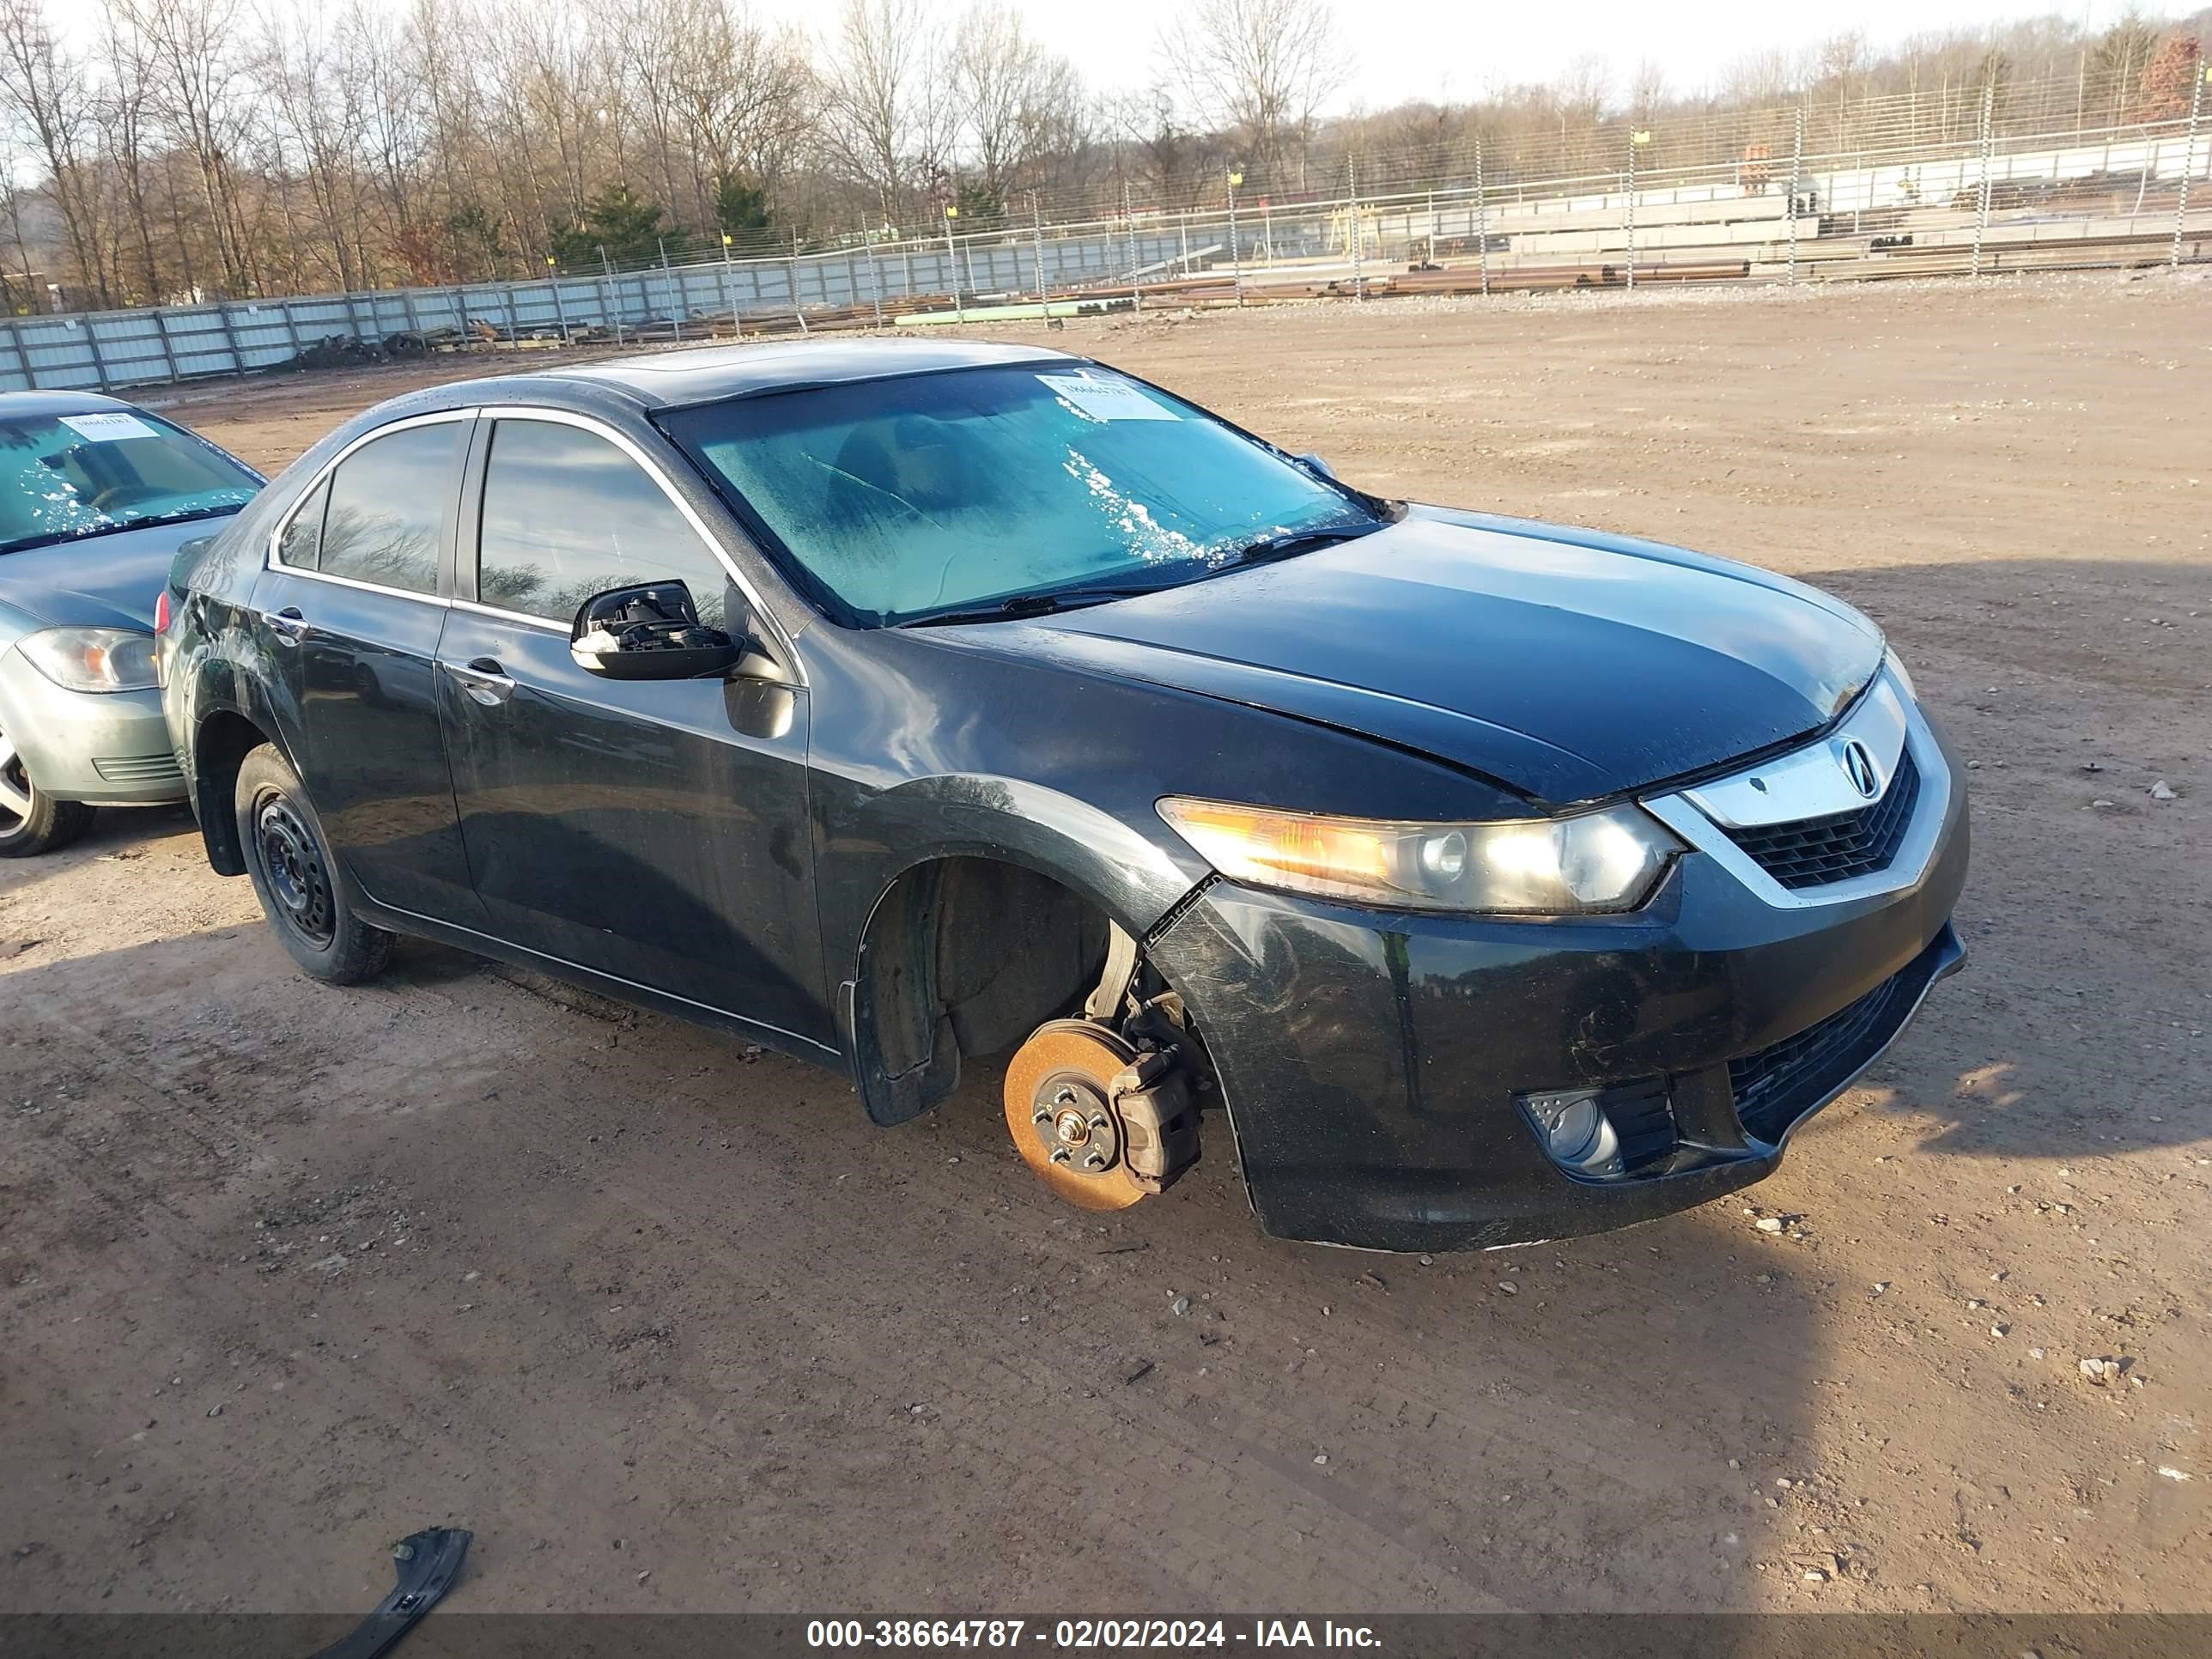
1859,768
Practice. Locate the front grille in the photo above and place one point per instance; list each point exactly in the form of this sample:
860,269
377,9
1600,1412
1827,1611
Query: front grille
1813,852
137,768
1780,1083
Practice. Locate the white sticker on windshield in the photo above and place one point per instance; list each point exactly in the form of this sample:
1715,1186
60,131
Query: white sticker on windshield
108,428
1108,400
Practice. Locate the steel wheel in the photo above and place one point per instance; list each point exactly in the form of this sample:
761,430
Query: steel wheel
1060,1112
292,860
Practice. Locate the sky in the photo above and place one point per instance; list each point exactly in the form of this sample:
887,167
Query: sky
1439,49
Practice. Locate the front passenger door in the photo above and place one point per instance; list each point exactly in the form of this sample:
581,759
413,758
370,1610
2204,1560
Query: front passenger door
654,831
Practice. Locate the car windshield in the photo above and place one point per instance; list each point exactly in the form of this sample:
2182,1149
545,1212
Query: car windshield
964,490
64,476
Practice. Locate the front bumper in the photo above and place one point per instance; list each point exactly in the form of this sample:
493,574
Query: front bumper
108,747
1371,1061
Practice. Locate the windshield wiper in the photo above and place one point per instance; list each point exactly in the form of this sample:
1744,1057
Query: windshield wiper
1031,604
1284,543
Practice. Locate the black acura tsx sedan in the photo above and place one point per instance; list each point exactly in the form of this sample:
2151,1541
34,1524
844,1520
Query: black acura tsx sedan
1468,881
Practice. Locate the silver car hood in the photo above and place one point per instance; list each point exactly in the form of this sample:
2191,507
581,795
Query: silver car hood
100,581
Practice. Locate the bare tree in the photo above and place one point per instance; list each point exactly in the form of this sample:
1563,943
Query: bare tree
883,115
1261,69
44,91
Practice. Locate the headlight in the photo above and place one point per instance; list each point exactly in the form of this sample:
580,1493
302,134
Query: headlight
1583,865
91,658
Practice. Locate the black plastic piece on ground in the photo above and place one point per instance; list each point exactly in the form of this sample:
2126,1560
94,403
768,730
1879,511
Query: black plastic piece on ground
428,1562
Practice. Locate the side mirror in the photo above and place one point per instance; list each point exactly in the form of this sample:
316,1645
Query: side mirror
651,632
1318,467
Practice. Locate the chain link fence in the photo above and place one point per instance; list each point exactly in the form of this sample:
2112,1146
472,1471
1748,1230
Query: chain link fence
1972,182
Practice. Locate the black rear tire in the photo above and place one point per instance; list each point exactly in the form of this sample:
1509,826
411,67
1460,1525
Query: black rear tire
295,879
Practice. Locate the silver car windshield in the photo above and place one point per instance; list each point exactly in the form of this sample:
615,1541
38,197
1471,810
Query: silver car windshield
934,493
67,475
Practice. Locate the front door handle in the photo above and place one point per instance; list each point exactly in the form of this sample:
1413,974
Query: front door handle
484,680
287,625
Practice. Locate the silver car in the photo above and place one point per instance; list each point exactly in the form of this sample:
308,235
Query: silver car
95,499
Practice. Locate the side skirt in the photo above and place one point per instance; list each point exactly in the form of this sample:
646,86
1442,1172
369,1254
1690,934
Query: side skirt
607,984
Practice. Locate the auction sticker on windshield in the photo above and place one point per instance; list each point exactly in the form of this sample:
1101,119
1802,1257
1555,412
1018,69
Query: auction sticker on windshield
1107,400
108,428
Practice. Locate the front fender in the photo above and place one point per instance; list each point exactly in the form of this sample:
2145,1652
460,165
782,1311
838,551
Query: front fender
1134,878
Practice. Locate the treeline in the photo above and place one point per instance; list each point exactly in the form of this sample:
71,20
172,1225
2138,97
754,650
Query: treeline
164,149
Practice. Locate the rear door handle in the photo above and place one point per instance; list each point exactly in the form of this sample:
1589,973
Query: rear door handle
484,680
287,625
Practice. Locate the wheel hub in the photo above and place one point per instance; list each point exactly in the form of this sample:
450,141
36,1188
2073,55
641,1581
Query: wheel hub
1075,1124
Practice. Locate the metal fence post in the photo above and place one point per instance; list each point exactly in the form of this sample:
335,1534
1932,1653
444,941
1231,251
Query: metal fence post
1631,210
610,297
952,266
92,345
875,277
230,336
1235,254
1481,218
2189,158
22,356
1358,237
560,311
1036,242
1796,177
1982,207
1130,225
161,333
675,295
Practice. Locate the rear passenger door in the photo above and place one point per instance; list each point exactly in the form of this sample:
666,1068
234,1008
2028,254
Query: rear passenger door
654,831
349,608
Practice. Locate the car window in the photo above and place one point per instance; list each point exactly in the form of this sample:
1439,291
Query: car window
64,476
939,491
567,515
301,544
388,504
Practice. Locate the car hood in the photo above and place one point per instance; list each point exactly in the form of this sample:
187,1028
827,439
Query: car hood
1564,665
102,581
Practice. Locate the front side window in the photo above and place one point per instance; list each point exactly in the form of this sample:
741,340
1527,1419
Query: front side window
567,515
63,477
387,505
945,491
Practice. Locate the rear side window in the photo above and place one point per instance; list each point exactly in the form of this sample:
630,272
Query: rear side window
567,514
387,505
301,544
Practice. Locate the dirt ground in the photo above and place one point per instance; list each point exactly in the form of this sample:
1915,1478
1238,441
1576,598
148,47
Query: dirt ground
286,1272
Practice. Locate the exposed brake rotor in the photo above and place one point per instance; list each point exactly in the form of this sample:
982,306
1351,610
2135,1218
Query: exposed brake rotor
1061,1111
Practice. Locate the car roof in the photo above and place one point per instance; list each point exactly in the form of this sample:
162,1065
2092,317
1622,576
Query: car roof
711,374
58,403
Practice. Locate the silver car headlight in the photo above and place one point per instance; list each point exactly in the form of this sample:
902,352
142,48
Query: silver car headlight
1588,864
91,658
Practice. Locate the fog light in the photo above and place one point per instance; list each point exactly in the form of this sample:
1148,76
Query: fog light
1574,1131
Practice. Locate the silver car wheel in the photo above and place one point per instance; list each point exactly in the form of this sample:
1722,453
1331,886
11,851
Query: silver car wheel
17,798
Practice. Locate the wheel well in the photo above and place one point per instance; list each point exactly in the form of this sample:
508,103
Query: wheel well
963,956
222,743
